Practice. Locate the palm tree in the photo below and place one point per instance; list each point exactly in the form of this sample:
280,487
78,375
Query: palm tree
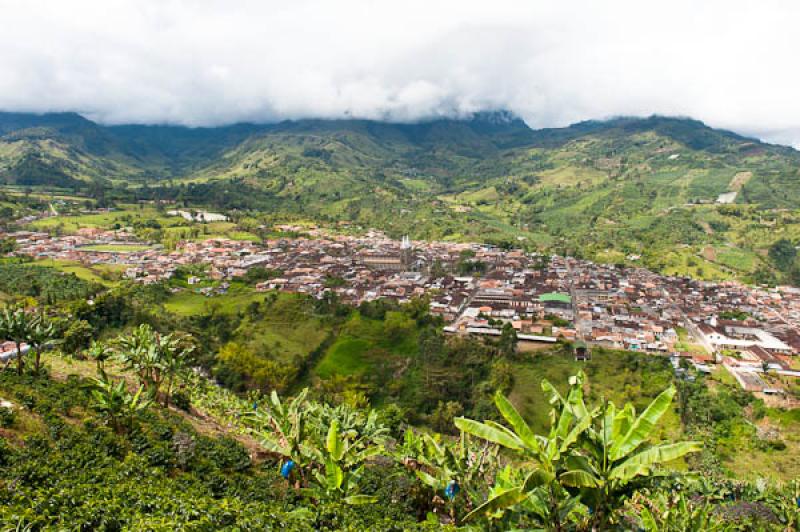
592,454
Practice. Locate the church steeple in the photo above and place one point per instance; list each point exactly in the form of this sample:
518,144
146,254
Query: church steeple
406,253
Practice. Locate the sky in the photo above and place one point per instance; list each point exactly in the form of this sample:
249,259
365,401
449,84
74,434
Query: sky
732,64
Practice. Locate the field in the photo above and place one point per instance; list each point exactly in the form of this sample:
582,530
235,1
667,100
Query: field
98,273
144,220
346,357
611,375
288,330
362,345
123,216
190,303
755,441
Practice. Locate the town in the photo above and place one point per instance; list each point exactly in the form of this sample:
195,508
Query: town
478,289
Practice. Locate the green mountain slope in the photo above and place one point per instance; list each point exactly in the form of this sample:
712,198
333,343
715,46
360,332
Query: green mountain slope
605,189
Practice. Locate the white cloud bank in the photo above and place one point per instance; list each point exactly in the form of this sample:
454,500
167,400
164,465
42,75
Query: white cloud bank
732,63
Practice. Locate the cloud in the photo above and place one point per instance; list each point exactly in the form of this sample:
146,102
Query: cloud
729,63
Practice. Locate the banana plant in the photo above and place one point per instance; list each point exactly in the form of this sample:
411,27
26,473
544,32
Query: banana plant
785,503
614,451
539,487
310,437
15,326
155,358
40,332
343,463
456,470
591,453
548,505
100,352
282,428
113,401
362,429
676,513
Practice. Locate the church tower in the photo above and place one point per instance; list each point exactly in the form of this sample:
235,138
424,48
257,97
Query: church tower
406,253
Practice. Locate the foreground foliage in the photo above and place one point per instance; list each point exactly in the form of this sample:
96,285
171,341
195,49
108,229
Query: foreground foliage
586,462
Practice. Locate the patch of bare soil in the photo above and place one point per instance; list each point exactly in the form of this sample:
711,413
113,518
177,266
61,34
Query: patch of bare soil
739,180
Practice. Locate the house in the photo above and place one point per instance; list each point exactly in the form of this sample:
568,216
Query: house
736,335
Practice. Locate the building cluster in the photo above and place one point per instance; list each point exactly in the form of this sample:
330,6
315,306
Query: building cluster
479,289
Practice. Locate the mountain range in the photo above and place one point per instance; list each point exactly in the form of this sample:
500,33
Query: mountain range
671,190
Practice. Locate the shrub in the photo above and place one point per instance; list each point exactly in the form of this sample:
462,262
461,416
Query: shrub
7,417
181,400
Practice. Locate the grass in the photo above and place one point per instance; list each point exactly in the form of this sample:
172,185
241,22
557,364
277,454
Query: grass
93,273
685,261
748,461
363,344
613,375
190,303
105,220
125,215
286,331
347,356
737,259
739,445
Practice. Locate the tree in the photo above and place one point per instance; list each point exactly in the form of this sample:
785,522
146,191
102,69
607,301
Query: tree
590,456
441,420
507,345
236,362
783,253
431,345
76,336
397,326
7,245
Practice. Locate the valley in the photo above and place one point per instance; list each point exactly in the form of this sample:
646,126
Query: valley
605,191
401,279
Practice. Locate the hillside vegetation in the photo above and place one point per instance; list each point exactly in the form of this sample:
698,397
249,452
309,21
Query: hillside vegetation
607,190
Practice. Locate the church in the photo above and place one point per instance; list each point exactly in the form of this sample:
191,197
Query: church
392,260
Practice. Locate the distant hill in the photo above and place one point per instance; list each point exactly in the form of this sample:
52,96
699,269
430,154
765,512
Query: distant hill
627,186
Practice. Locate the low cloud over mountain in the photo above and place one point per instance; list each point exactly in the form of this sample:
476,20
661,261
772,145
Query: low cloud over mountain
727,63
